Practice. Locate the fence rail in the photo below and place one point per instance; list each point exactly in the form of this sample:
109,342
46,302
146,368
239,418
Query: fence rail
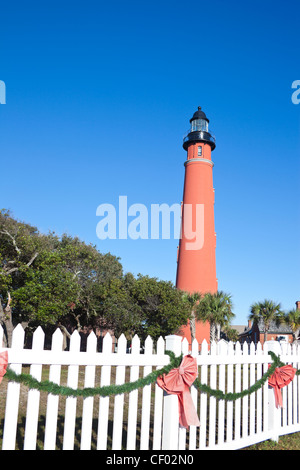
146,418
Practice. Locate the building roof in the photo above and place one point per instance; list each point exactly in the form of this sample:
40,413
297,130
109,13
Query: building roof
275,328
240,328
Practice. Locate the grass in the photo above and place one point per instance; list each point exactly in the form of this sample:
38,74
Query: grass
287,442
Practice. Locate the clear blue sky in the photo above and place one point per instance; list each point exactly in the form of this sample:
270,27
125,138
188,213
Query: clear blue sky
99,95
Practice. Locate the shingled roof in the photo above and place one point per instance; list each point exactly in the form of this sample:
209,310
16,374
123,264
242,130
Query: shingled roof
280,328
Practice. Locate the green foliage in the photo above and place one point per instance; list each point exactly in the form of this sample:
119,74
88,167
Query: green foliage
46,295
266,311
191,301
162,307
62,280
231,334
119,310
51,278
216,309
143,306
292,319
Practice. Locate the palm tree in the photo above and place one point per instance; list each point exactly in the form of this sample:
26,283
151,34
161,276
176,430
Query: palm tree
231,334
192,300
217,310
267,311
292,318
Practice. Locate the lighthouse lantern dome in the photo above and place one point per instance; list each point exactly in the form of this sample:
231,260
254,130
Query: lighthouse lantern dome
199,121
198,131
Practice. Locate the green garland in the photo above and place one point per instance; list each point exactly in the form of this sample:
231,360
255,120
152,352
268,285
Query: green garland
55,389
107,390
230,396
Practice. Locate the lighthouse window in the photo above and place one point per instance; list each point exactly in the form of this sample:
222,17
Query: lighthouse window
199,125
199,151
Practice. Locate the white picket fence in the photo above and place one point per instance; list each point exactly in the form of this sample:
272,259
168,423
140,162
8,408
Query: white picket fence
146,418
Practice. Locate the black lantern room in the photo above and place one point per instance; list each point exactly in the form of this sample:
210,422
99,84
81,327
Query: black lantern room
199,131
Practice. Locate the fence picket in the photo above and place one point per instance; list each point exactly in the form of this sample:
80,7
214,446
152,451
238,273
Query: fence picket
284,412
230,378
252,413
13,394
265,395
259,394
53,400
133,398
203,396
289,397
194,393
71,402
212,400
238,388
222,350
102,434
295,406
245,399
33,401
158,402
119,399
146,400
88,402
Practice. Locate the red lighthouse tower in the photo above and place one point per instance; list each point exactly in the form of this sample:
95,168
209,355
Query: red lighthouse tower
196,264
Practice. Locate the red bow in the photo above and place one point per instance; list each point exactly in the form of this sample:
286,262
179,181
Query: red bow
281,377
178,382
3,364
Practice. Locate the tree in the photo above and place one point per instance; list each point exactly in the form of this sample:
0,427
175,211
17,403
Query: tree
143,306
66,286
47,293
217,310
292,319
192,300
231,334
120,311
62,281
92,272
48,280
20,244
163,309
267,311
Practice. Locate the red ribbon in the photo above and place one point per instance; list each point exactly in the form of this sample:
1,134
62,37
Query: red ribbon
3,364
178,382
281,377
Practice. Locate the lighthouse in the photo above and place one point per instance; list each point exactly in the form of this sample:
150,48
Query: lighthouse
196,258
